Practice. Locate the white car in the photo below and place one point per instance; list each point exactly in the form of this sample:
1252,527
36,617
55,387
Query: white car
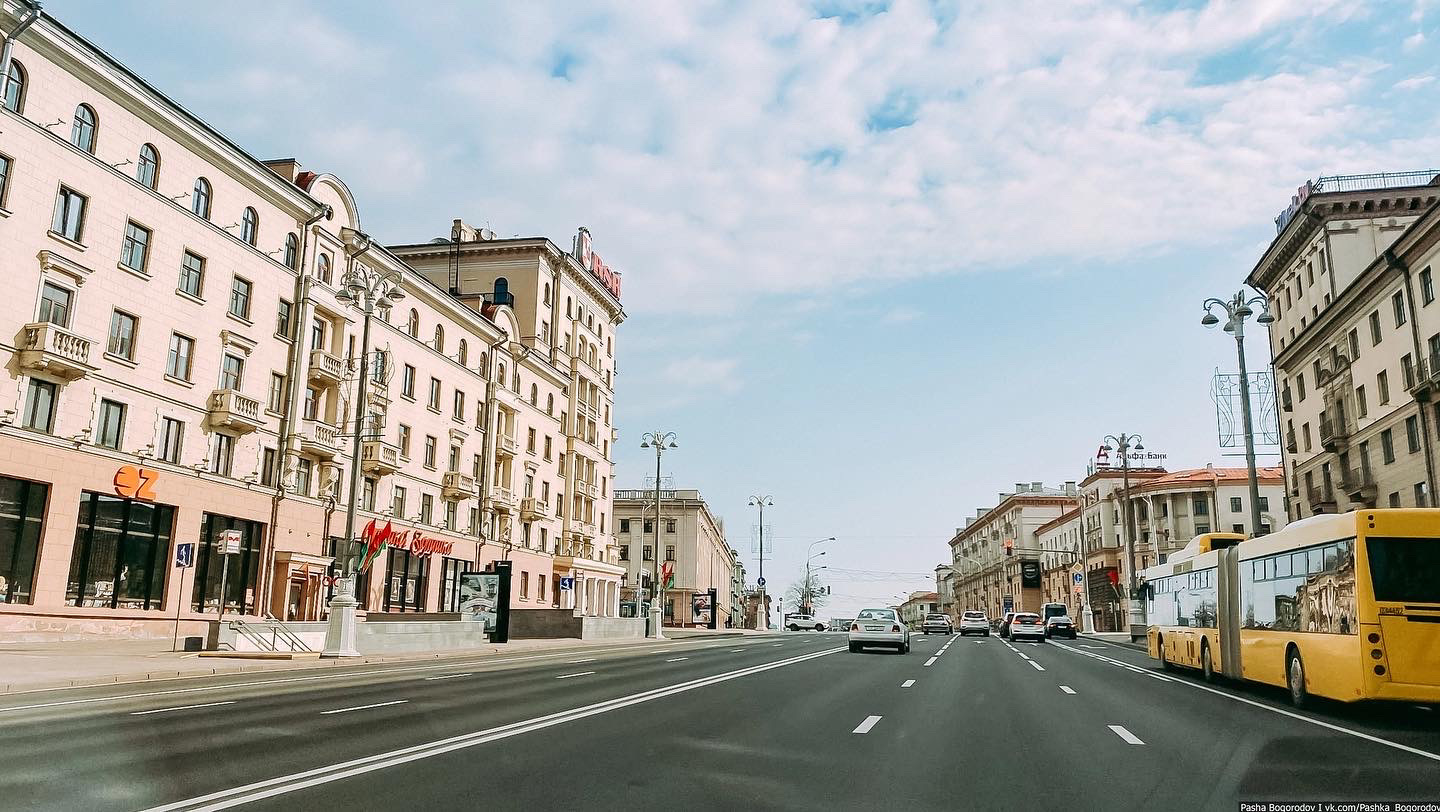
1027,625
879,628
797,622
976,622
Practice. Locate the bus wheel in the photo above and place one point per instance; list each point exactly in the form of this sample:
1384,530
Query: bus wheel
1295,679
1207,668
1164,661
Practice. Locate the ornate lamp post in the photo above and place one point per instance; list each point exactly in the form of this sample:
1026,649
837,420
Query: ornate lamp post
763,611
1237,310
661,441
1123,444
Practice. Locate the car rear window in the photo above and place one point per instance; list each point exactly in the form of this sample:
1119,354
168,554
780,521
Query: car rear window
935,617
1026,618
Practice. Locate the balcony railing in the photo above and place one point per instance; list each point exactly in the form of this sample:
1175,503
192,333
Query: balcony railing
1285,402
457,485
589,489
326,367
1359,483
1427,378
505,444
1321,499
377,393
503,499
233,410
1290,444
56,350
1334,434
319,438
379,457
531,509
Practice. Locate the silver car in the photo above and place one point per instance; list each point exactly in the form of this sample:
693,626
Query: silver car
976,622
879,628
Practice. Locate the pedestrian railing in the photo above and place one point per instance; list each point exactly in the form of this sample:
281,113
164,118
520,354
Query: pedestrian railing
269,635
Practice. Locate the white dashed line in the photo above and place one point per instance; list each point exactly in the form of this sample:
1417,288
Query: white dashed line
776,645
1038,667
736,650
1023,656
907,683
676,659
364,707
867,724
1129,738
1067,689
931,661
180,708
448,676
580,674
586,660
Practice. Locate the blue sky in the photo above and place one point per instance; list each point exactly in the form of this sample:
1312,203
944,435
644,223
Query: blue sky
882,259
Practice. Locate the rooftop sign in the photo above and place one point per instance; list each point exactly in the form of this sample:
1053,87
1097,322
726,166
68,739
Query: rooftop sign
1296,201
596,266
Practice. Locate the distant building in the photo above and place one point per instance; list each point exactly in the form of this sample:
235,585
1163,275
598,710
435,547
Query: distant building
917,606
945,588
986,577
691,540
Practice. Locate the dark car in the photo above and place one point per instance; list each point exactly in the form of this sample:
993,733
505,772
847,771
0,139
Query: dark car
1005,624
1060,626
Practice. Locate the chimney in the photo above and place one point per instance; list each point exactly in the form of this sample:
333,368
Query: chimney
460,232
1037,487
1070,487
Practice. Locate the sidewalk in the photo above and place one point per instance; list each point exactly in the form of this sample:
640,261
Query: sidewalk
73,664
1115,638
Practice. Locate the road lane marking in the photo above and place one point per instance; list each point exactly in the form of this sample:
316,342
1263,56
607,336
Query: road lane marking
1130,738
1038,667
272,787
676,659
1092,648
586,660
364,707
931,661
579,674
448,676
180,708
1282,711
1157,676
776,645
867,724
1067,689
736,650
907,683
1023,656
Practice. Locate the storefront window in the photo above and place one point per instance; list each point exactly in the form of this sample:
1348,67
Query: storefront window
405,577
241,570
450,570
333,548
121,553
22,513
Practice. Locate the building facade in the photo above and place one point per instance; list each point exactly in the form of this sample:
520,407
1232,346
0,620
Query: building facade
917,606
996,556
1355,343
945,589
691,540
184,369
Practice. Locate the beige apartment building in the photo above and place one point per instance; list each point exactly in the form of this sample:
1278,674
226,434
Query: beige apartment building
1356,340
691,539
182,365
986,577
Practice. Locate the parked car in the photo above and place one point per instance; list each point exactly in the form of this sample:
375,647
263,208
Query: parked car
937,623
974,622
796,623
879,627
1005,624
1060,626
1027,626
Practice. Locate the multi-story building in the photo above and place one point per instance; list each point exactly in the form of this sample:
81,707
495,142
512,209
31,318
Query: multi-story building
996,555
1106,568
1061,559
917,606
1356,340
689,538
185,369
945,588
737,589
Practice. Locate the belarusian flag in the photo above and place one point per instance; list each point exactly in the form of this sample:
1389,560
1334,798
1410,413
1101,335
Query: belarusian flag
375,541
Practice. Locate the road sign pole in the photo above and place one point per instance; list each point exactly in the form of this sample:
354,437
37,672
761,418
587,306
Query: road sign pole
179,599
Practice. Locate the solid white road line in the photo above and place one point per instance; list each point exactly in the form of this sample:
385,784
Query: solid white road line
1038,667
281,785
1130,738
931,661
586,660
1067,689
867,724
1023,656
1282,711
448,676
364,707
182,707
907,683
676,659
580,674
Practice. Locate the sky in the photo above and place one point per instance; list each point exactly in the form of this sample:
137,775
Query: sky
882,260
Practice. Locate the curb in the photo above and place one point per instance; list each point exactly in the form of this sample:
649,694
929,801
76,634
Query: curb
1133,646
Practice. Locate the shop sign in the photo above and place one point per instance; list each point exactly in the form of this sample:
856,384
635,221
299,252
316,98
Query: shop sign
229,542
132,482
592,262
376,539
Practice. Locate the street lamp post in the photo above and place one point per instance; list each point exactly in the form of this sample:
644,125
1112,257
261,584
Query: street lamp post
1236,311
367,290
808,591
762,609
1123,443
661,440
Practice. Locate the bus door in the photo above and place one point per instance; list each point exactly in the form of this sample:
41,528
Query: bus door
1227,576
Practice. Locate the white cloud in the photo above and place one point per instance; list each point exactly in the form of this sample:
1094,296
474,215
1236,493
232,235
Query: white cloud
1414,41
1415,82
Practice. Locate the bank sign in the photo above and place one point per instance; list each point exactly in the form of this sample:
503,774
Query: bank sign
596,266
1104,458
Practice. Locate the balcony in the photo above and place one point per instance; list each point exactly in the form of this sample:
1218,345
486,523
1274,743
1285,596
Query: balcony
229,409
1285,402
377,393
1290,444
1360,485
505,444
1427,378
1322,500
531,509
55,350
457,485
326,368
379,457
589,489
319,438
585,529
503,500
1334,435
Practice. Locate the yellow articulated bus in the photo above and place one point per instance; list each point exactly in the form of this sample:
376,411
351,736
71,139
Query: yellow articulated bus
1341,606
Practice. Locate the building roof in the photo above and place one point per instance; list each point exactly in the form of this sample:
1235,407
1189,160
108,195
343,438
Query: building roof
1058,520
1199,477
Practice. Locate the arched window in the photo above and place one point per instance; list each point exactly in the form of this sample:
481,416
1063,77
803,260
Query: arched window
15,88
249,225
82,130
515,382
569,310
500,376
292,252
484,359
550,404
412,326
200,198
547,293
590,320
502,291
463,353
534,395
147,170
439,339
322,270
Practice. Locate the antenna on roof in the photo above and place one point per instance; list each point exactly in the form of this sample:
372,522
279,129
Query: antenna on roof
454,270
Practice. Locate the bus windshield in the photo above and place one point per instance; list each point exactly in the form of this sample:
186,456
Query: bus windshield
1405,569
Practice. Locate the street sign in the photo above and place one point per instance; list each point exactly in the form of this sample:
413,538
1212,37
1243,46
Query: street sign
567,583
1077,589
229,542
1078,579
185,554
760,582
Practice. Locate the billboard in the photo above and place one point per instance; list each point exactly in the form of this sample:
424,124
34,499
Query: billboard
1029,573
701,609
480,598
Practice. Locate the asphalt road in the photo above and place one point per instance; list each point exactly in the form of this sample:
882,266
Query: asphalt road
791,721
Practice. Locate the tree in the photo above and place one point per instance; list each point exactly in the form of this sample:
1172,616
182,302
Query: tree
808,591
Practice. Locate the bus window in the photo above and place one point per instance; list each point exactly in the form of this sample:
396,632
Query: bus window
1317,560
1403,569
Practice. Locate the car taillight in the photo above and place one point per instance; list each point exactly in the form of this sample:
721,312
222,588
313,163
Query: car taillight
894,628
854,627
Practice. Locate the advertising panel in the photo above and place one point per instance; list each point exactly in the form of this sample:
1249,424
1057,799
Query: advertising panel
700,608
480,598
